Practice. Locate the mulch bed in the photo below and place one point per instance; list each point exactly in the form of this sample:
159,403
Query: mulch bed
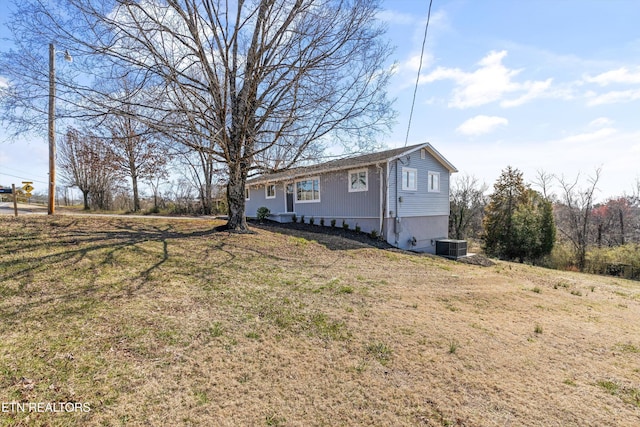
360,237
317,232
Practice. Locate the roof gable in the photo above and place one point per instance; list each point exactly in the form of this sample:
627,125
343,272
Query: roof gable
352,163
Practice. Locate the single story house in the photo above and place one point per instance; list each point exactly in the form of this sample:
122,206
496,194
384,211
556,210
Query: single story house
402,194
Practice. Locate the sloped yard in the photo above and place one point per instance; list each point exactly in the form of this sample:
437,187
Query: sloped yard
169,323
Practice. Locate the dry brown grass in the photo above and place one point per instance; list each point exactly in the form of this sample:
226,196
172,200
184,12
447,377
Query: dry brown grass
167,323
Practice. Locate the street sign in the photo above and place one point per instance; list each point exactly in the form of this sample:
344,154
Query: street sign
5,191
28,188
27,195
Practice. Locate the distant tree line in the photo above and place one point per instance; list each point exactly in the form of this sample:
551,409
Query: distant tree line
516,222
109,168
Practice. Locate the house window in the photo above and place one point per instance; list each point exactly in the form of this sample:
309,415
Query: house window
358,180
270,191
434,181
409,179
308,190
246,194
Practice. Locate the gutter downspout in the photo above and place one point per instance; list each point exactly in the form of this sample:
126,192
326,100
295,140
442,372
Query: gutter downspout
395,230
382,201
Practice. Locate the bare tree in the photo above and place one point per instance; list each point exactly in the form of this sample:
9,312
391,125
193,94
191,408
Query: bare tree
249,76
203,169
544,181
86,163
135,153
576,212
137,150
467,206
76,162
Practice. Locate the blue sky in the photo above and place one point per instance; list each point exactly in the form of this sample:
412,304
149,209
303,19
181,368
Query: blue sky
549,85
538,85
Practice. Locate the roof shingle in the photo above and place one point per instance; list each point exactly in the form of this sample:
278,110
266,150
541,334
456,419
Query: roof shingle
349,163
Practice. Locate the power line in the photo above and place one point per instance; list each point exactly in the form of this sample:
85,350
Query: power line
415,90
23,178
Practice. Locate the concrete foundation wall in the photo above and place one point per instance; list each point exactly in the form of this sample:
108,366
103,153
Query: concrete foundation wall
417,233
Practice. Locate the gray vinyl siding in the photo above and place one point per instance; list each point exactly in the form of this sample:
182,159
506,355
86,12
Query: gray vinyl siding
420,202
337,202
257,199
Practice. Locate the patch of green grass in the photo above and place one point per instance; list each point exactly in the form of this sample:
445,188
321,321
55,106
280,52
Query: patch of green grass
538,328
632,396
453,346
345,290
536,289
576,293
275,420
628,395
610,386
570,382
216,329
451,307
325,327
299,241
379,351
561,285
252,335
627,348
201,397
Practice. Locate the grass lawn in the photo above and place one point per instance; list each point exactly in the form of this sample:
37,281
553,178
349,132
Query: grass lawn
159,322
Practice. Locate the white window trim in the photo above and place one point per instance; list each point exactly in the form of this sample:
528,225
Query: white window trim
247,193
266,191
409,170
429,175
366,180
295,190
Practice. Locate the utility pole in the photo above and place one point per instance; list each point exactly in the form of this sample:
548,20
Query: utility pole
15,199
52,129
52,125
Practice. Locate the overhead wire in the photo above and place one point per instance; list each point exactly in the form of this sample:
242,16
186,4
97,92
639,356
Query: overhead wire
23,178
415,89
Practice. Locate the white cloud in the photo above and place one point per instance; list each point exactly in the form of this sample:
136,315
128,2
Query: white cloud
533,90
491,82
601,122
481,124
620,75
413,63
393,17
613,97
596,136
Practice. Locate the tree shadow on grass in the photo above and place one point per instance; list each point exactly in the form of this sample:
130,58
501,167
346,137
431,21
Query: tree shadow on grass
37,269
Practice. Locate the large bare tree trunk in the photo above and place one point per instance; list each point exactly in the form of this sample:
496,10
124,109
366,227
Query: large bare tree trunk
136,195
85,198
236,197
